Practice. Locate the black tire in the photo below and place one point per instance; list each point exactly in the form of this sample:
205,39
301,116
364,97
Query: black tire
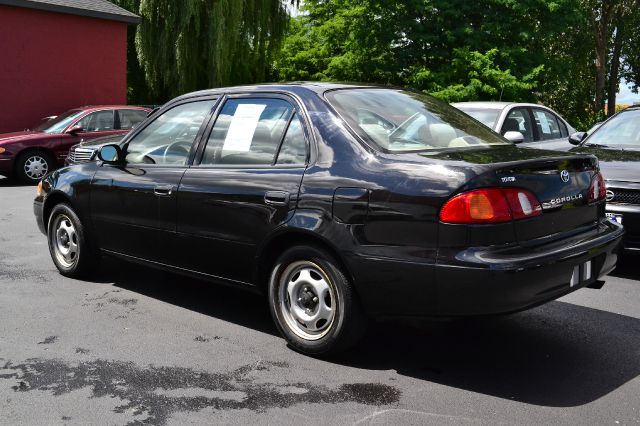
31,166
69,244
323,277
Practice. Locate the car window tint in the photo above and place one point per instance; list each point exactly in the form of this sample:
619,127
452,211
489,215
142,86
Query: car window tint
99,121
547,125
294,147
518,120
247,132
131,117
168,139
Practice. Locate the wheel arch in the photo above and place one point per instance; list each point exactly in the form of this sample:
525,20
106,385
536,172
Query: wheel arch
41,149
274,247
53,199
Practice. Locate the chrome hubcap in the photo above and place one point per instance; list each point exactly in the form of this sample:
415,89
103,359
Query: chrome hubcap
307,300
35,167
65,241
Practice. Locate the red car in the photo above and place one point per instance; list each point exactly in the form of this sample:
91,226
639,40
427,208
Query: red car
30,154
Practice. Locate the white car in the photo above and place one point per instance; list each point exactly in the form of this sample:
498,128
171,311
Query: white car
521,122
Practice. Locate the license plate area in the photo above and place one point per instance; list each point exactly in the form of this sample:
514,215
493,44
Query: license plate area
581,273
617,218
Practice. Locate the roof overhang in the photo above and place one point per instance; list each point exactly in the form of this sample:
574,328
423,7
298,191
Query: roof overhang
115,13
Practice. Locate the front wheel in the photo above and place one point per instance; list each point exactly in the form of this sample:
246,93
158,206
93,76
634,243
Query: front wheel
313,303
71,251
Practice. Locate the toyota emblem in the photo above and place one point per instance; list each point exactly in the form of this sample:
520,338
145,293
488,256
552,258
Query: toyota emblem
564,175
610,195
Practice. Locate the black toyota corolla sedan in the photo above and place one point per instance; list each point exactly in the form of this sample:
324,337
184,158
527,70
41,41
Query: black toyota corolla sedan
338,202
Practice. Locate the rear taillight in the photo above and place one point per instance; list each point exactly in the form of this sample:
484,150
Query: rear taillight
490,205
598,189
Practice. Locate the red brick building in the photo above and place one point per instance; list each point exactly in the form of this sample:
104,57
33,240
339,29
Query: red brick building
60,54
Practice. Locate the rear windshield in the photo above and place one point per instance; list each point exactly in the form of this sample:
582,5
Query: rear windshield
487,117
398,121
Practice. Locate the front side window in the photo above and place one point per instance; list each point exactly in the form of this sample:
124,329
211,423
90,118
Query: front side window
131,117
248,132
519,120
397,121
98,121
168,139
547,124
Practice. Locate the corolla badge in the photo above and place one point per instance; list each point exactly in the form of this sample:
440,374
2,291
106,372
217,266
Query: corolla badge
610,195
564,175
558,202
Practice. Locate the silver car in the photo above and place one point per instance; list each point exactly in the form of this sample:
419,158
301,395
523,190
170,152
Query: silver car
535,125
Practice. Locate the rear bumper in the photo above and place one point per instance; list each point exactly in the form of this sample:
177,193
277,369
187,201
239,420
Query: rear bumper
631,221
505,280
489,280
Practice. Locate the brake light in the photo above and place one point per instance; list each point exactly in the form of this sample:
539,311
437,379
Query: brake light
490,205
598,189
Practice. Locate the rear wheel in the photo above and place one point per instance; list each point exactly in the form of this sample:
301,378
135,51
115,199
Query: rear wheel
32,166
70,249
313,303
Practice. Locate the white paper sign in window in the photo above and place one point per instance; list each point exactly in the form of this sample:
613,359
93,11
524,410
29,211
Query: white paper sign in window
544,122
243,126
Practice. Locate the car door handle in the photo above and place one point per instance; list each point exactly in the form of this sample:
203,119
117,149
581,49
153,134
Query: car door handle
277,198
163,191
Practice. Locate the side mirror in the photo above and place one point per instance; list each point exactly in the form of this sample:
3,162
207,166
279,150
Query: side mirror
577,138
110,154
74,129
515,137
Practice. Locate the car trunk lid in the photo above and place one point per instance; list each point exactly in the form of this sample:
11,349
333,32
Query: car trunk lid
562,187
565,204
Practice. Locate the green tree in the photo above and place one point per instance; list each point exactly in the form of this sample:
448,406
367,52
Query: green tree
186,45
630,66
625,49
451,48
610,21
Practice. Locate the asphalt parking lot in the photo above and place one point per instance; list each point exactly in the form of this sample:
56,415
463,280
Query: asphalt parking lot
137,346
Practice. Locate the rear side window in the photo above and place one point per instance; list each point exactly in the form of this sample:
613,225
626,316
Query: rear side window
131,117
248,131
294,147
547,124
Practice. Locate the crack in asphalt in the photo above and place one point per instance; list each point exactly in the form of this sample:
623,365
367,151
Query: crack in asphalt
154,393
